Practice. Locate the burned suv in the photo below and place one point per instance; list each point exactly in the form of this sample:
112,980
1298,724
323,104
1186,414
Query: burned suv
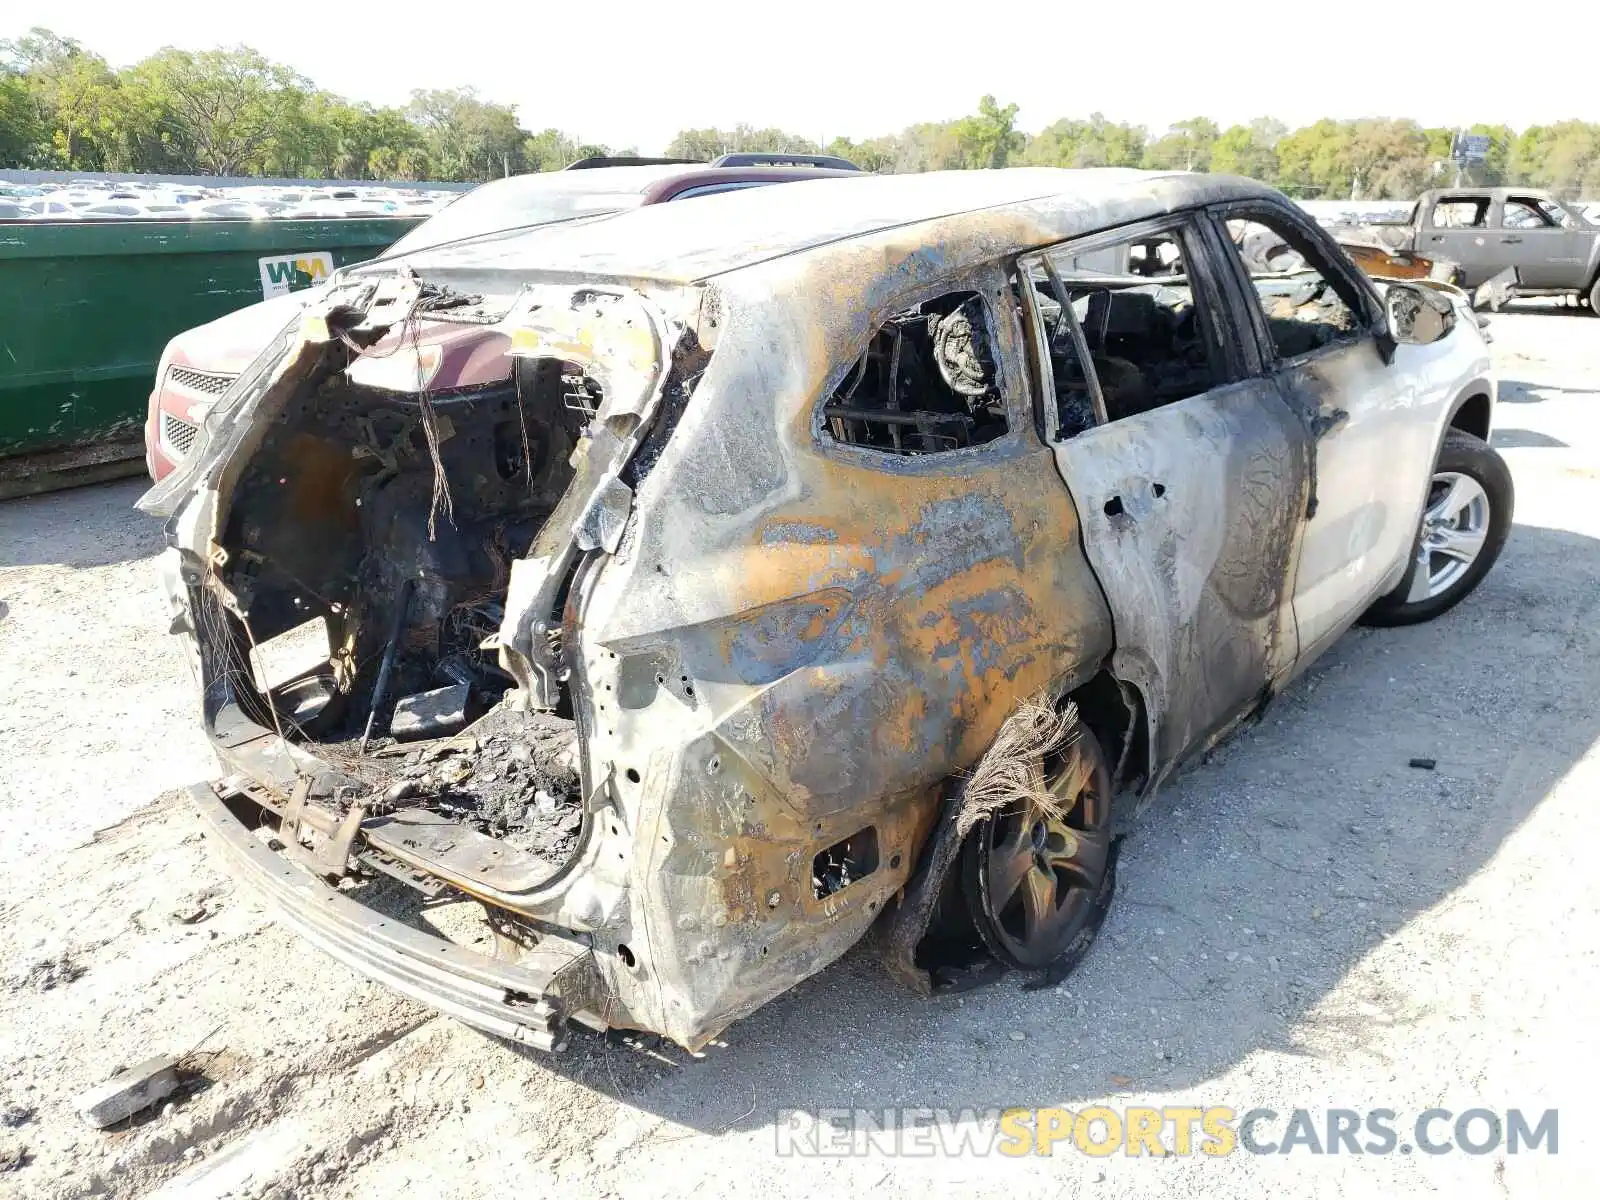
689,593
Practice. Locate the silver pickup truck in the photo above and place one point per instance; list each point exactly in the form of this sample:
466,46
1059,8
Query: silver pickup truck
1552,247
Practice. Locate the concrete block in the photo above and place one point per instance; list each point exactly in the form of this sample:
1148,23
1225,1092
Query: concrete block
129,1092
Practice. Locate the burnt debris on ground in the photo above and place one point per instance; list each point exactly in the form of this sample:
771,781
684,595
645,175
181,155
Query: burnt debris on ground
46,974
512,775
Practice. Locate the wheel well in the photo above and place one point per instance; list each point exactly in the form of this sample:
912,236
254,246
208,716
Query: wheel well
1473,417
1114,713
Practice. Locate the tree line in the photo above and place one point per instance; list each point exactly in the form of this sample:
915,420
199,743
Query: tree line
1377,158
235,112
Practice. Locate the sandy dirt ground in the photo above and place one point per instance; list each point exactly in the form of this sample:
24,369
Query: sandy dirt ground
1302,921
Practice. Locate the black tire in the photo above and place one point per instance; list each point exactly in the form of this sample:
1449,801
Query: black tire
1594,296
1465,455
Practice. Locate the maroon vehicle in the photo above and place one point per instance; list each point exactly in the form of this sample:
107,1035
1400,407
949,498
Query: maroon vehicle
200,364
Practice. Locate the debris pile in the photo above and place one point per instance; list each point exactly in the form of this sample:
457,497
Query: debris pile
514,776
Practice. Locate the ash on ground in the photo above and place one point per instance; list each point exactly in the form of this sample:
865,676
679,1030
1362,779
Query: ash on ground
512,775
45,974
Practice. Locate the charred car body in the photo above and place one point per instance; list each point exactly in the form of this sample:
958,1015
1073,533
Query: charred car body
755,572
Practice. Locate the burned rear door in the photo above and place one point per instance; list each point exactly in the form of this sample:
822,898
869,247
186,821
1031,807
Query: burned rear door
1189,474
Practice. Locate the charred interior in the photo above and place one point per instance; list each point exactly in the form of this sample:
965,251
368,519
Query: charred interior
374,531
926,382
1304,311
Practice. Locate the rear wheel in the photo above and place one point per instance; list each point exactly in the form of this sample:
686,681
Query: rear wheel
1037,875
1464,526
1594,296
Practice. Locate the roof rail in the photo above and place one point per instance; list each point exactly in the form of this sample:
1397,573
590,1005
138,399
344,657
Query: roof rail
757,158
629,160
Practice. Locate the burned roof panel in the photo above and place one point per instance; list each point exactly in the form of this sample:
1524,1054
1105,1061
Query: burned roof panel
690,242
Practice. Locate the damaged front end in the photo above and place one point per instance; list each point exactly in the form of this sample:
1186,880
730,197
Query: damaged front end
381,549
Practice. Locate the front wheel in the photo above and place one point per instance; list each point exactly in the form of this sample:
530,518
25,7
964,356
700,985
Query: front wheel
1464,525
1594,296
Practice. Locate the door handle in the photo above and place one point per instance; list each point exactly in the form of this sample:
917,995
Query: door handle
1510,239
1436,237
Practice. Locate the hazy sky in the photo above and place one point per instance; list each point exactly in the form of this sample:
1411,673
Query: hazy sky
625,73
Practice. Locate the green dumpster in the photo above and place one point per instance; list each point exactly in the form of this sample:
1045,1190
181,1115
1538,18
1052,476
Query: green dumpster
86,308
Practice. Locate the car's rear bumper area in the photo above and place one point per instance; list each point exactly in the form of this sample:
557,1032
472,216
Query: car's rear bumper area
527,1001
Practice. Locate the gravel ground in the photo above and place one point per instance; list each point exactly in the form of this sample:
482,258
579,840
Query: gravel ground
1303,921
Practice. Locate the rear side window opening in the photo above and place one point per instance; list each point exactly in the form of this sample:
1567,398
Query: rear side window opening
927,383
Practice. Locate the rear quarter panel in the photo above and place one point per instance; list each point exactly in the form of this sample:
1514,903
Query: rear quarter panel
804,639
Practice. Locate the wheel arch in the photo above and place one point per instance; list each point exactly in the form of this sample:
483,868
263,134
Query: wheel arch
1115,711
1473,410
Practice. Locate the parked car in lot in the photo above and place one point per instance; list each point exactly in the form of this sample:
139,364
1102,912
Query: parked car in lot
749,574
58,208
1552,246
199,364
144,210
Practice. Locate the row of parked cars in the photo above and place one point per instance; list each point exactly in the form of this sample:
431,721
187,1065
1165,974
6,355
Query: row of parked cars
757,555
101,200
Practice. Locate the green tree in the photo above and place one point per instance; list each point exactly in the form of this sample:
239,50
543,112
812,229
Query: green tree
1496,165
1186,146
1311,161
875,154
1249,150
467,137
395,138
220,108
1390,159
989,138
930,146
236,112
352,136
707,144
23,139
551,150
700,144
71,91
137,138
1564,157
1096,142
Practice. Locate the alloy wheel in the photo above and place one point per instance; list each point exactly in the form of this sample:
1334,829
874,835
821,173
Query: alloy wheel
1455,525
1035,871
